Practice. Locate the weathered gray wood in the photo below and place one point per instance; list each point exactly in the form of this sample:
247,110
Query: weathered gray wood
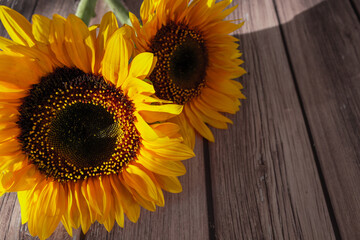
133,6
356,6
323,44
263,173
63,8
10,217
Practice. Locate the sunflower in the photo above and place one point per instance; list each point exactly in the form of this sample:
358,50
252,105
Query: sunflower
197,60
81,137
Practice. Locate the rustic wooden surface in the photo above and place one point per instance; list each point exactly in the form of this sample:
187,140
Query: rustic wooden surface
327,71
288,168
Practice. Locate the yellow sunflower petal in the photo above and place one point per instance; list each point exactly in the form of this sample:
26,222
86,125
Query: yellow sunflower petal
24,67
148,205
169,168
9,133
41,28
67,226
198,124
210,113
76,32
169,183
226,87
20,179
119,210
145,9
95,194
72,216
141,182
134,21
48,209
6,43
211,121
135,87
116,57
107,27
142,65
186,129
86,215
23,201
130,207
219,101
173,151
154,113
146,131
18,28
108,202
166,129
9,148
8,161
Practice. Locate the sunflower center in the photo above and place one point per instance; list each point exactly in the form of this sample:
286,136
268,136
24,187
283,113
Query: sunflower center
76,125
85,134
180,71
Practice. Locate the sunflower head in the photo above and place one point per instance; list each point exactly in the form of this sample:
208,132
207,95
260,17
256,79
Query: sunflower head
197,60
82,138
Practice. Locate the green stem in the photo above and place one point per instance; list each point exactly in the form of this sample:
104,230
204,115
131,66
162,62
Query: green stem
86,10
120,11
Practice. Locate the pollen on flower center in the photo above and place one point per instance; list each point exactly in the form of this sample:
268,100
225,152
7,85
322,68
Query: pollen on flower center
84,134
182,56
76,125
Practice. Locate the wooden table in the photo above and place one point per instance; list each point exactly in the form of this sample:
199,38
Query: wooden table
289,166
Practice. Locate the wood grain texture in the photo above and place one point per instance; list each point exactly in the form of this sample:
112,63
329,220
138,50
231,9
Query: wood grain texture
328,75
10,221
133,6
263,173
184,215
48,8
356,6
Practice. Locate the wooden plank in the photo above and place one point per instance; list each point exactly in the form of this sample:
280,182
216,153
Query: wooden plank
356,6
63,8
133,6
323,44
10,220
183,217
265,183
